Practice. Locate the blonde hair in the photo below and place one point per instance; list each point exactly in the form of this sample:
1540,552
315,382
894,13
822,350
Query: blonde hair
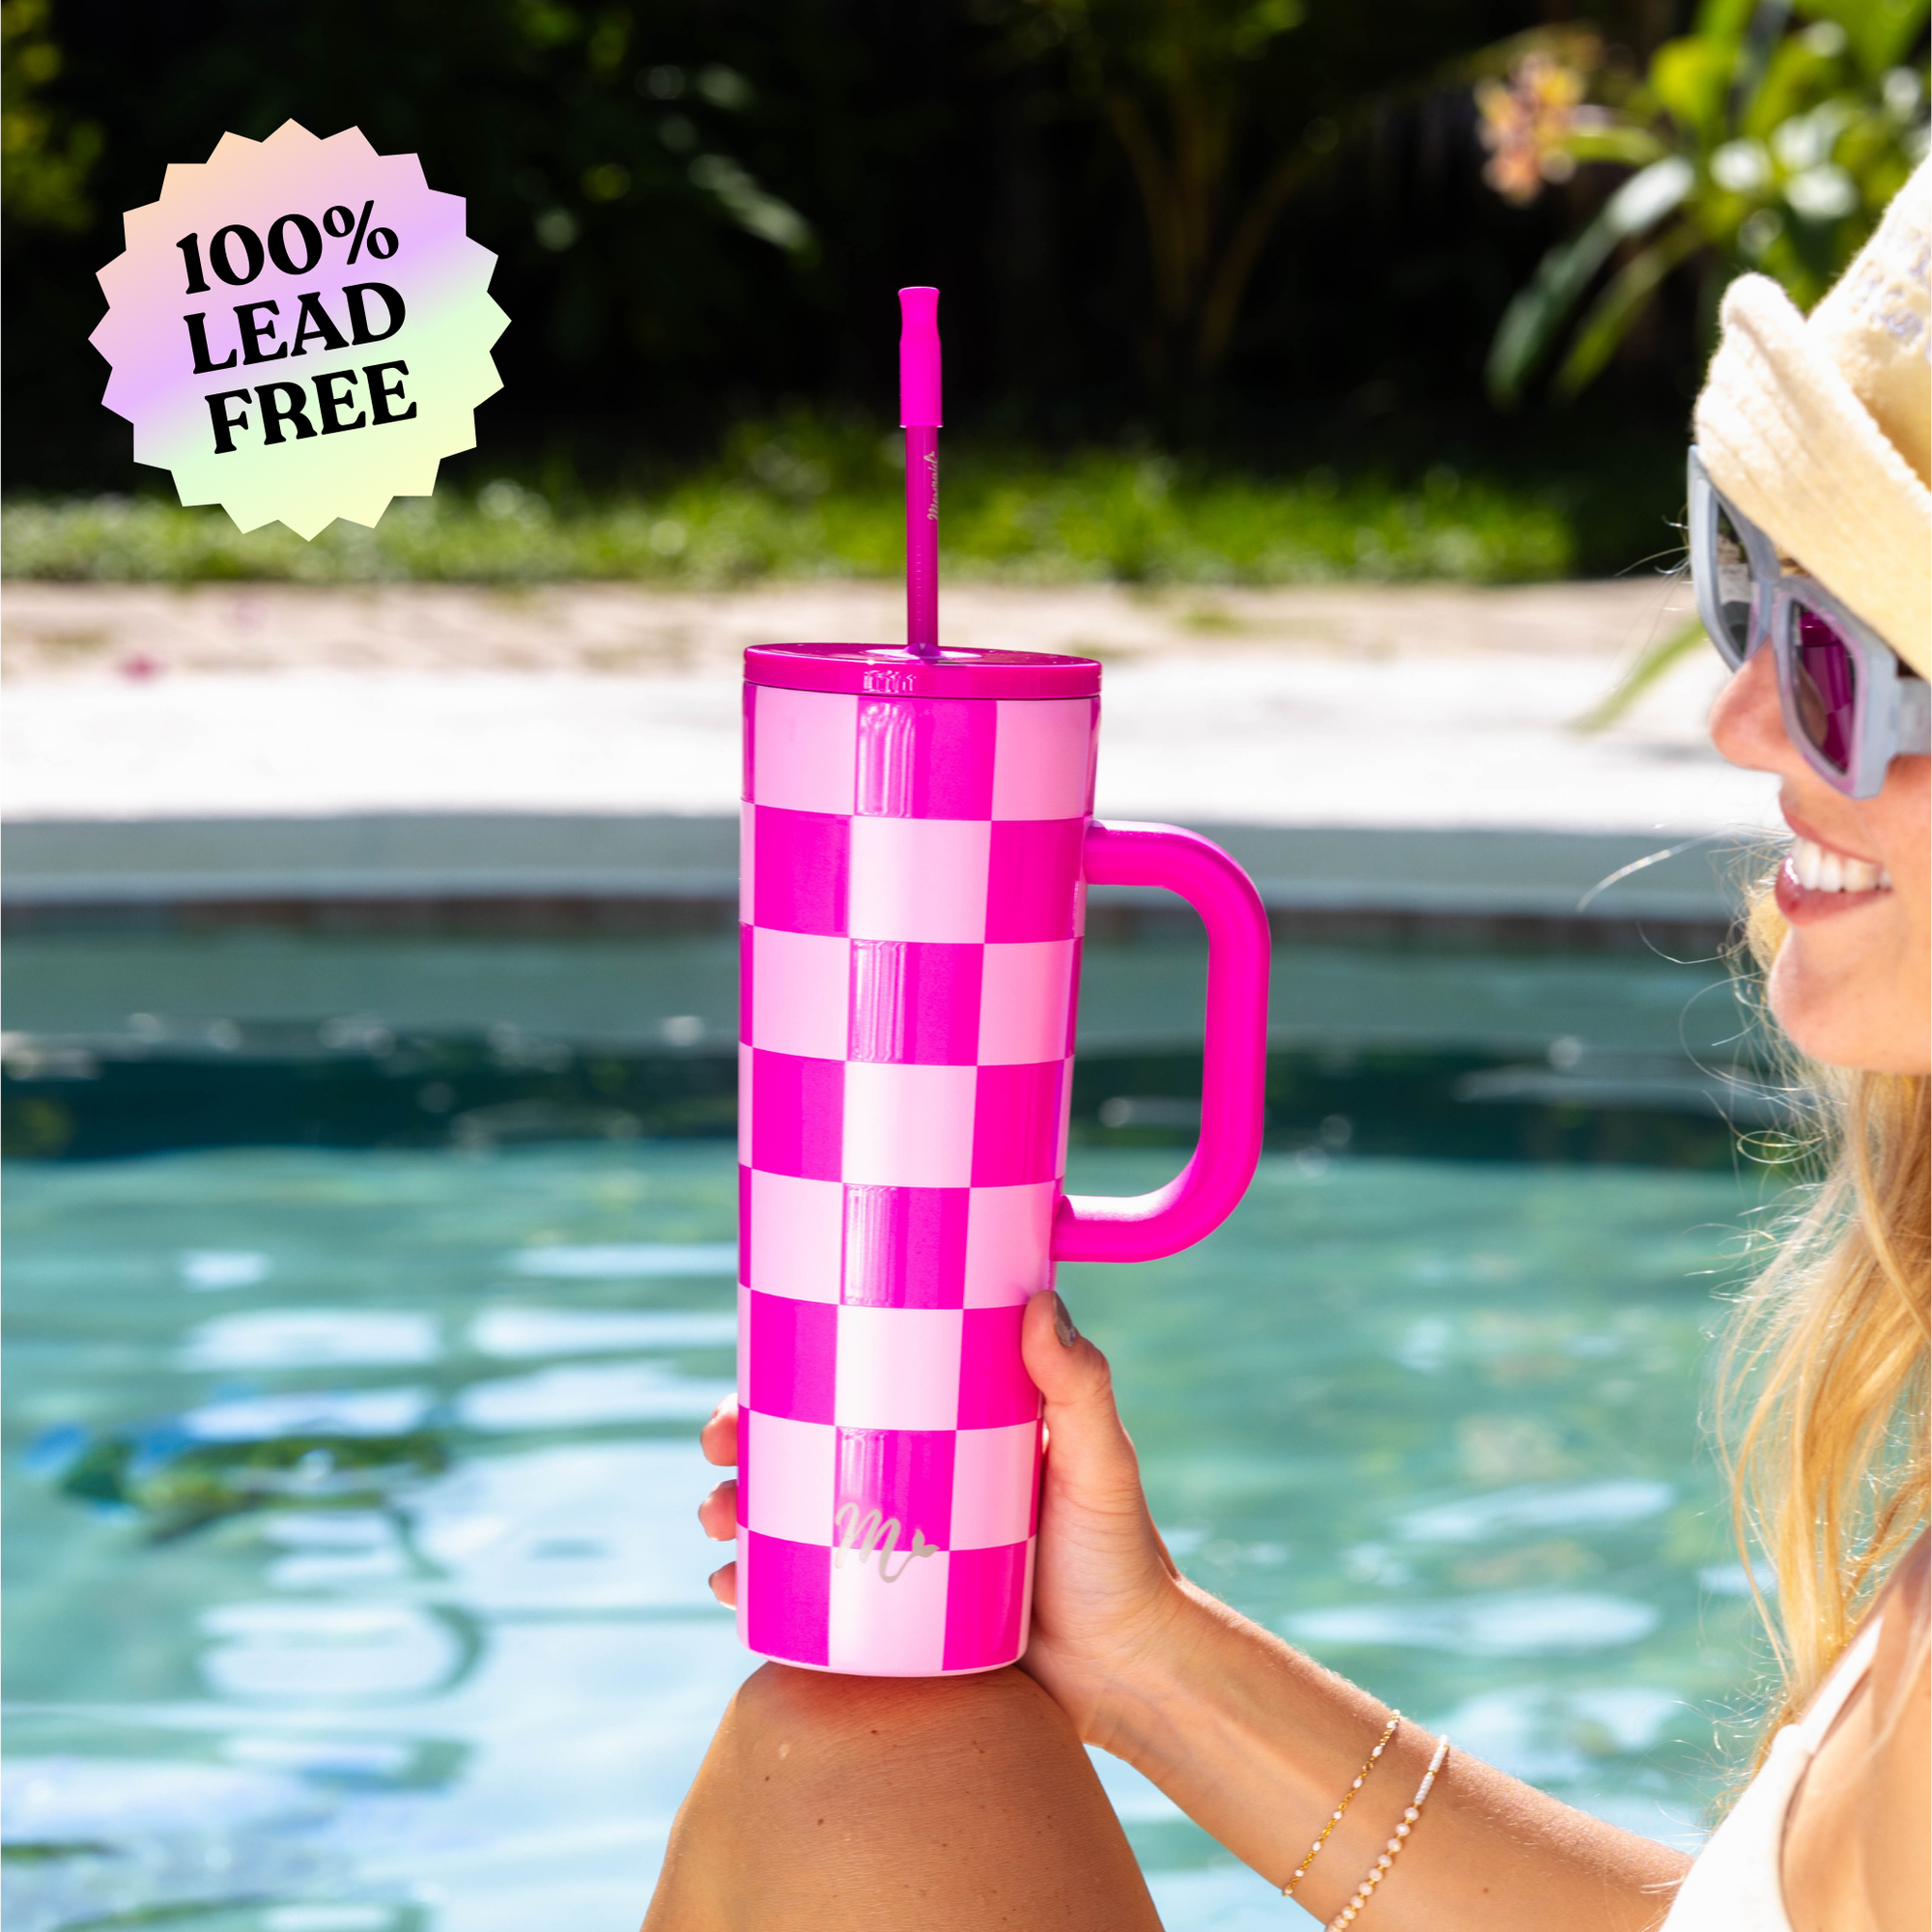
1826,1366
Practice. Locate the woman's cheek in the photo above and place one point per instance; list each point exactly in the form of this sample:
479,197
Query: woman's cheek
1789,993
1853,992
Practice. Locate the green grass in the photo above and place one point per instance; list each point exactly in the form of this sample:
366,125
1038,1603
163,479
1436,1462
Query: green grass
804,500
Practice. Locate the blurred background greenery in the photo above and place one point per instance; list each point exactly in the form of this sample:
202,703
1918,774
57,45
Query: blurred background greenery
1234,290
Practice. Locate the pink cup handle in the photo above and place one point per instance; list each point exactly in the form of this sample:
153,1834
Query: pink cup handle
1144,1227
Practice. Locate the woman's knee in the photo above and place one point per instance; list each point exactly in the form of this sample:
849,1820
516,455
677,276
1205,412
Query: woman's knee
884,1727
858,1802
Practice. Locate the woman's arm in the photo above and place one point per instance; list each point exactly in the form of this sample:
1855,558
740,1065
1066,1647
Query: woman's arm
1258,1743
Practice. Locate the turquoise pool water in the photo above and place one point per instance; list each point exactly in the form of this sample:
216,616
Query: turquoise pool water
356,1586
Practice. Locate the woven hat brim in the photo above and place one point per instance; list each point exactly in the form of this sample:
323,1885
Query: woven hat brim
1786,439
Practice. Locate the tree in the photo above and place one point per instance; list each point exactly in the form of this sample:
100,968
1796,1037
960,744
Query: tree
1184,86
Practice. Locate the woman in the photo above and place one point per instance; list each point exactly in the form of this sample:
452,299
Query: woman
969,1802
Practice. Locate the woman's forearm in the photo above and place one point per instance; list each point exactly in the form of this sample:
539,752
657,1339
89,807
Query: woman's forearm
1258,1743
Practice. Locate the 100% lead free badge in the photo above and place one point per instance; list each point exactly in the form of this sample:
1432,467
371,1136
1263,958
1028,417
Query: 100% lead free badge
299,329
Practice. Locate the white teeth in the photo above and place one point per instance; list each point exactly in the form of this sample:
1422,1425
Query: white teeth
1819,870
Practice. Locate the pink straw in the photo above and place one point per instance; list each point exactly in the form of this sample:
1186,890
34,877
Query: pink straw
919,417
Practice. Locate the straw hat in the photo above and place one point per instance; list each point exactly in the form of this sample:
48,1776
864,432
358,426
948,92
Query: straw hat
1819,428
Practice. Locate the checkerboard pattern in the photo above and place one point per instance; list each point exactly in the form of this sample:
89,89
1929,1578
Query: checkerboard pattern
912,905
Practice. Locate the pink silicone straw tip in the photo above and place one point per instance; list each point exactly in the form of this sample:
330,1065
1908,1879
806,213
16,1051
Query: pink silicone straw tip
918,358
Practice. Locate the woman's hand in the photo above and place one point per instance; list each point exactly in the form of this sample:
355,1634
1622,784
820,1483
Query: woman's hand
1106,1596
1106,1593
718,1513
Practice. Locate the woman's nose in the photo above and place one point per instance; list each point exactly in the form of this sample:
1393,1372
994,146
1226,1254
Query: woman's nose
1745,723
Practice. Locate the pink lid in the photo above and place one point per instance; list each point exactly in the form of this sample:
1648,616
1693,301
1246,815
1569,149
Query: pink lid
891,670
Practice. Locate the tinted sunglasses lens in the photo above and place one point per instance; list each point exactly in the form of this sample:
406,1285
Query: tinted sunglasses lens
1730,565
1826,678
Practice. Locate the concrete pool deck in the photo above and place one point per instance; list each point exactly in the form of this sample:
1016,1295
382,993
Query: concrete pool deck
1401,749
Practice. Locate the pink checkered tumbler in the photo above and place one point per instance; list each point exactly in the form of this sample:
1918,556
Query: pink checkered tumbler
918,842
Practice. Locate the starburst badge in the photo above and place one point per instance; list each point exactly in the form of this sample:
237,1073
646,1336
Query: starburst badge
299,329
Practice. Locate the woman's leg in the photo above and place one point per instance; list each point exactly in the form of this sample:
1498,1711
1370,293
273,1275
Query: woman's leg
954,1805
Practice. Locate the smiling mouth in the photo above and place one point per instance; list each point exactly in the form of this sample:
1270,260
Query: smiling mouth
1819,870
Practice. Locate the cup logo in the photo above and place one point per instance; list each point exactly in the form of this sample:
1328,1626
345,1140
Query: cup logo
864,1531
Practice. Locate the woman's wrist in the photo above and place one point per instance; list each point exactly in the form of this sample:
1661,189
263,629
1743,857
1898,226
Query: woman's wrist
1175,1687
1250,1737
1140,1710
1207,1682
1096,1674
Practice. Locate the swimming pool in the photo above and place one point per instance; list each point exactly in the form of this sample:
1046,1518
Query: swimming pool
356,1585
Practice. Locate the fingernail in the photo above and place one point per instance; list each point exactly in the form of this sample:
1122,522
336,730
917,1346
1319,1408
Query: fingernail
1063,1325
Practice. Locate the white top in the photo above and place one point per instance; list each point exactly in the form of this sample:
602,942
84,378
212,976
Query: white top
1737,1884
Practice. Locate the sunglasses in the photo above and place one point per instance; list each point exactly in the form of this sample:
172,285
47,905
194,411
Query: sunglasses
1850,707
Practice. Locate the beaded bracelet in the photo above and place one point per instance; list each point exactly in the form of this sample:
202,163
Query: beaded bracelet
1335,1816
1379,1870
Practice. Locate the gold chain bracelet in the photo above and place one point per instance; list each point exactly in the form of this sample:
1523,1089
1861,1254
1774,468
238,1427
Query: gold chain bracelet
1335,1816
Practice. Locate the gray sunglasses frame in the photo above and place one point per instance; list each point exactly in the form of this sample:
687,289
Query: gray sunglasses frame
1892,716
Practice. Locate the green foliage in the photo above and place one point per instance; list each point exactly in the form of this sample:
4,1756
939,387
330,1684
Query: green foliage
699,210
811,498
1568,270
1651,663
1771,137
1879,32
45,155
1183,86
1197,94
617,160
